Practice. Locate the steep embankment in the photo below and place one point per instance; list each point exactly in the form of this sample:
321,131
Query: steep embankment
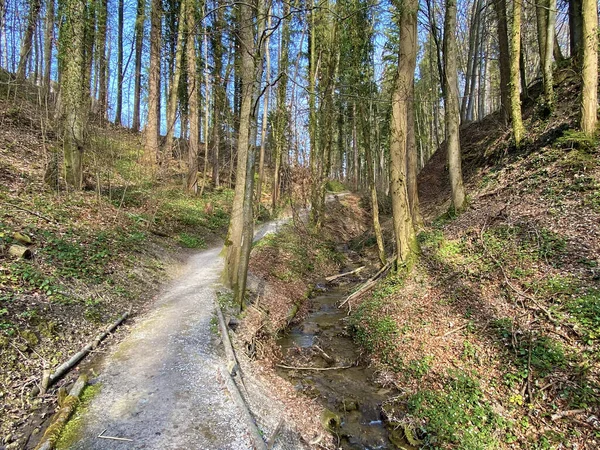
96,253
493,338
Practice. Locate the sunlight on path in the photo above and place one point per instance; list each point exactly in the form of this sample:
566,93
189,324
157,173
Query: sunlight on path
161,387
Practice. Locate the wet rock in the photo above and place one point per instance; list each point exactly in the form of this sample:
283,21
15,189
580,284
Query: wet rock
349,404
311,328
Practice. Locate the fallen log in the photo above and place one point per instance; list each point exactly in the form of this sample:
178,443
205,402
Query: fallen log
23,238
259,443
232,362
369,284
63,414
18,251
340,275
283,366
68,365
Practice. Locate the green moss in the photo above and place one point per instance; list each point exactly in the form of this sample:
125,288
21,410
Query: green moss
72,429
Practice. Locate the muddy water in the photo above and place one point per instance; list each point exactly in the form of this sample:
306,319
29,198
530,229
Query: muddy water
322,339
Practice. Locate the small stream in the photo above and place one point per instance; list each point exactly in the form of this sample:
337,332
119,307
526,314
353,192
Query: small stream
322,339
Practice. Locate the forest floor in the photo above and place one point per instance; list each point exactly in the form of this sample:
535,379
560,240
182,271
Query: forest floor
96,253
493,337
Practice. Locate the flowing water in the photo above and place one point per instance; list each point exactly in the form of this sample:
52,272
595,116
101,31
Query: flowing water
322,339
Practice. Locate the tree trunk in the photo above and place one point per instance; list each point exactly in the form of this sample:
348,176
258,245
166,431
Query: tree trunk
281,121
174,88
153,124
411,166
32,20
206,108
589,88
546,14
119,106
471,60
193,85
504,59
73,98
406,242
366,128
139,43
101,39
263,131
218,89
234,240
515,76
452,113
576,30
48,41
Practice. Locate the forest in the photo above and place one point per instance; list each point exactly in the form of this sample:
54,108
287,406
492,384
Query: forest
386,212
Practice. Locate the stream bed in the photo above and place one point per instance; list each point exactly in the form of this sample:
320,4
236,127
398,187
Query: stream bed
323,340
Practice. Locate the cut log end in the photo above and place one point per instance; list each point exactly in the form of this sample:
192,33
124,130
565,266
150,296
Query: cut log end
18,251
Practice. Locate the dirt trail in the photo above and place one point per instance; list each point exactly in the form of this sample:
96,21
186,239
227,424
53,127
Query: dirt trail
161,386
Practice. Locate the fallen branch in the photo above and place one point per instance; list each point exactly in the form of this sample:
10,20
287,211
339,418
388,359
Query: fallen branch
68,365
340,275
113,438
30,212
59,420
283,366
572,412
259,443
273,437
369,284
455,330
325,356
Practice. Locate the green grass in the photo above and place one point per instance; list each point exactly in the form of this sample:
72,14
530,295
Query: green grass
375,330
585,314
457,416
335,186
190,241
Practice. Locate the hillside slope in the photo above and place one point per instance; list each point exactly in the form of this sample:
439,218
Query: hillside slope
493,338
96,253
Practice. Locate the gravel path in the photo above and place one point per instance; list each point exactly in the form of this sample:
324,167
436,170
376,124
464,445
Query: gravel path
161,386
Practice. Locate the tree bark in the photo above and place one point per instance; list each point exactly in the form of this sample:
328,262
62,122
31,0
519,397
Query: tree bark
589,88
576,30
546,14
219,88
32,20
180,48
504,59
73,99
263,131
406,242
452,112
193,85
515,76
411,166
48,43
102,64
119,106
233,243
139,43
153,123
